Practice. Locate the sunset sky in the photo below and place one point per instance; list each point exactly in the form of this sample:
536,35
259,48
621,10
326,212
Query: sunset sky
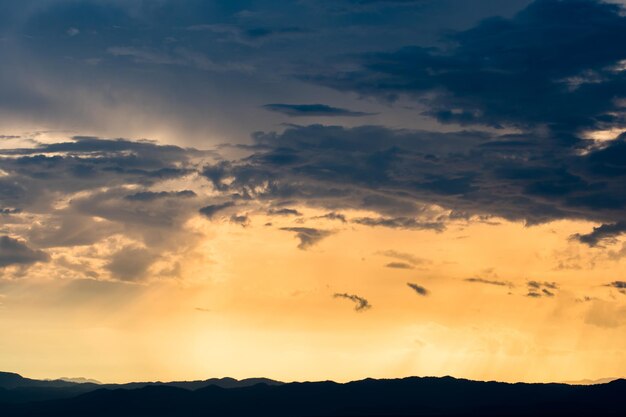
313,189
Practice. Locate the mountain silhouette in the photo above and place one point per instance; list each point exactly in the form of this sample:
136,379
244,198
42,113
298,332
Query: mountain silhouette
387,397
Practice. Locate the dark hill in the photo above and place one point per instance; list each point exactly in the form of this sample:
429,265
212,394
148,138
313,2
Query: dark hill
399,397
16,389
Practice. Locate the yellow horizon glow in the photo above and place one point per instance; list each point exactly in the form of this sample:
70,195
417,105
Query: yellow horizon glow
248,303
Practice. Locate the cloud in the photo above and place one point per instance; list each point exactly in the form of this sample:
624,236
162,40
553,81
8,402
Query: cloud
250,36
71,32
284,212
151,195
361,303
17,252
308,236
405,257
211,210
605,232
537,285
489,282
178,56
323,110
618,285
36,177
365,6
418,289
402,175
524,71
399,223
538,289
240,219
84,190
333,216
130,263
399,265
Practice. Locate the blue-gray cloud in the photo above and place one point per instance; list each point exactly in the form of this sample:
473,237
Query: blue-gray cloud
605,232
211,210
302,110
152,195
17,252
397,172
526,71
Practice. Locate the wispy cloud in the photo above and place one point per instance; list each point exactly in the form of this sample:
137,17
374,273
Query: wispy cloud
304,110
361,304
490,282
308,236
418,289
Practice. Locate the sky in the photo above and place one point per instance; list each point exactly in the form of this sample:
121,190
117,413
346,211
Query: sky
313,189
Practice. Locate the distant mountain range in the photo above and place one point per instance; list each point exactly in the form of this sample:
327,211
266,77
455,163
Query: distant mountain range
267,398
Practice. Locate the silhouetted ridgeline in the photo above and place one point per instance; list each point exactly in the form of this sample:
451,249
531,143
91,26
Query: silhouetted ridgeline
251,398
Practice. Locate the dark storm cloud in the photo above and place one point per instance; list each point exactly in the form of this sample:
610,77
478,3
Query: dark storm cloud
211,210
489,282
17,252
361,304
398,173
418,289
300,110
523,71
75,62
399,265
308,236
526,71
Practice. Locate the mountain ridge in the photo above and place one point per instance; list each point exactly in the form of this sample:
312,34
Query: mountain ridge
412,396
